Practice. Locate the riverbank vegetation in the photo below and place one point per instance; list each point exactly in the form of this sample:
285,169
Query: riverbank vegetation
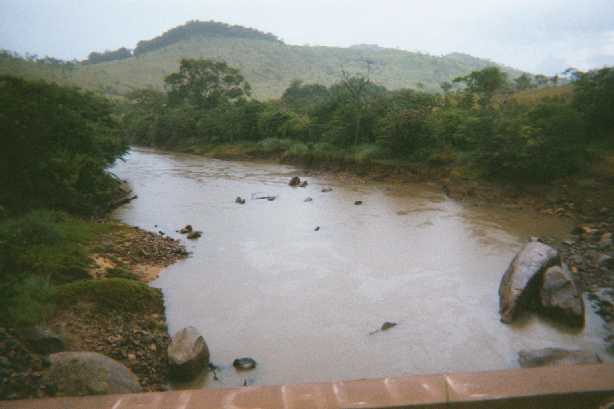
477,125
56,145
63,264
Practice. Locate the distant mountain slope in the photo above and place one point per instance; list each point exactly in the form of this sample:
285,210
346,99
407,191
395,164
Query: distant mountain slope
269,64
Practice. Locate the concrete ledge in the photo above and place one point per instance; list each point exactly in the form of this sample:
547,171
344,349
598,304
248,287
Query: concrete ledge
560,387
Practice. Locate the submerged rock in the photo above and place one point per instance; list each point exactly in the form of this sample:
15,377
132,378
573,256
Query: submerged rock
556,357
308,199
303,183
559,296
89,373
523,271
188,354
327,189
186,229
244,363
385,326
295,181
239,200
194,235
42,339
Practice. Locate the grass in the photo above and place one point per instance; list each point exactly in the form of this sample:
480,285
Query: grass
110,295
48,244
39,250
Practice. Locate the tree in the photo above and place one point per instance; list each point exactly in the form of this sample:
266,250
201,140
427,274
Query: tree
594,97
206,84
358,92
55,146
485,83
523,82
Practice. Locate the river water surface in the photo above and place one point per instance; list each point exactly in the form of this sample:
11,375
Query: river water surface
261,282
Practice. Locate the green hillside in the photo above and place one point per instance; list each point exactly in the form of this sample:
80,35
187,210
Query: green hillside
267,63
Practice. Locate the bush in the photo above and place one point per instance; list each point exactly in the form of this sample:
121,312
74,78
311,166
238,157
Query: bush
538,144
108,295
368,152
31,302
47,244
298,150
274,145
55,145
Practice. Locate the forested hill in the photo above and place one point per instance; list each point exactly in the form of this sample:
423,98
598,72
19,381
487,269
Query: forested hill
267,63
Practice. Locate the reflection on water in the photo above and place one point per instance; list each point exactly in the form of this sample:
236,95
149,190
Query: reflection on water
262,283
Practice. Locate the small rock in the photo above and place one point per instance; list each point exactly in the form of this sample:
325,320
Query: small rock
303,184
244,364
194,235
556,357
358,202
295,181
387,325
186,229
317,228
308,199
326,189
605,261
239,200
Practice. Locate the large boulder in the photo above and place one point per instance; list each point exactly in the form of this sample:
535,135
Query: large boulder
559,296
42,339
89,373
188,354
522,275
556,357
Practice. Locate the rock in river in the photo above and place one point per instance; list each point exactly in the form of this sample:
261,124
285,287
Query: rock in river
295,181
244,363
186,229
556,357
194,235
521,275
89,373
188,354
559,296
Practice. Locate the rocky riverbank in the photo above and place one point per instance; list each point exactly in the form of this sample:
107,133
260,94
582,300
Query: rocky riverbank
114,314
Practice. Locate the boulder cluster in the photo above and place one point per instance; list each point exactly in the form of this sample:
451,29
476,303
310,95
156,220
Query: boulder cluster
537,280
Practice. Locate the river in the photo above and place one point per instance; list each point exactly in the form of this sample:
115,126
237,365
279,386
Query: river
262,283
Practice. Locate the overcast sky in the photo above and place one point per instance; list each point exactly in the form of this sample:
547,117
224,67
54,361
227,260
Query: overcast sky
540,36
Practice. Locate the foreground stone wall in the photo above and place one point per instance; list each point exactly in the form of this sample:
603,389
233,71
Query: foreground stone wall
585,386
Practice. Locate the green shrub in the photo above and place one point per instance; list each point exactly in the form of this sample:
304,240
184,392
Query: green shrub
112,294
298,150
47,244
55,145
368,152
274,145
30,302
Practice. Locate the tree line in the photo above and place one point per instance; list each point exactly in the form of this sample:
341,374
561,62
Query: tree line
476,120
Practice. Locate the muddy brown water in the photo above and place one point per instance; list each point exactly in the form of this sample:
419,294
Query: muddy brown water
262,283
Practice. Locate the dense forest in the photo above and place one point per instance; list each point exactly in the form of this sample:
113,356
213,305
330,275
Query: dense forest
477,122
